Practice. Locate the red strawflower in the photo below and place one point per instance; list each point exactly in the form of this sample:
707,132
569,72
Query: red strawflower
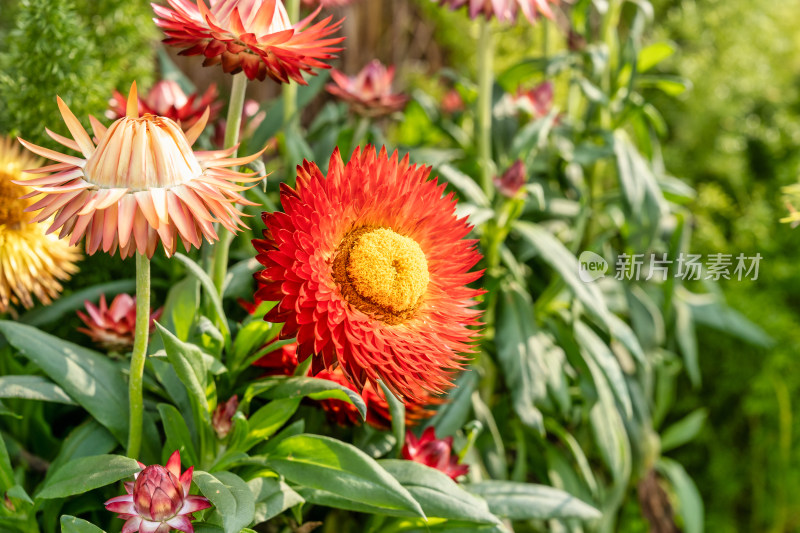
369,266
159,501
113,327
433,452
369,93
251,35
280,362
167,99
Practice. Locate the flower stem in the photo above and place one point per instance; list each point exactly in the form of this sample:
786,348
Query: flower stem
219,267
142,332
483,124
290,118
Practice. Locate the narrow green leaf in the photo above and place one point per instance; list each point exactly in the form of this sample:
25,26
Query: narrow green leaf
6,472
653,54
526,501
188,362
687,341
690,503
70,524
230,495
88,473
33,388
273,497
269,419
300,386
398,411
178,435
331,465
602,355
88,377
211,291
88,439
439,496
684,430
452,415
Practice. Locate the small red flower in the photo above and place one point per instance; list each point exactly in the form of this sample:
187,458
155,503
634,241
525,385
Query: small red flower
159,501
113,327
512,179
255,36
537,101
504,10
167,99
369,93
433,452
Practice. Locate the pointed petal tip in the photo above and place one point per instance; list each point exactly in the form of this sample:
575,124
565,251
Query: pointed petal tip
132,109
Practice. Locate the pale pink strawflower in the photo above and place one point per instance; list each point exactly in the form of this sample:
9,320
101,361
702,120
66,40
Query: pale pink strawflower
254,36
112,327
158,501
167,99
504,10
369,92
141,184
329,3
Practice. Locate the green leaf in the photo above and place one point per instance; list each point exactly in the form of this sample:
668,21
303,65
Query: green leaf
328,464
670,85
524,368
439,496
33,388
180,308
300,386
70,524
465,184
269,419
719,316
452,415
230,495
88,473
653,54
526,501
398,411
273,497
189,364
6,472
211,291
43,315
178,435
88,439
687,341
690,503
89,378
554,253
602,355
684,430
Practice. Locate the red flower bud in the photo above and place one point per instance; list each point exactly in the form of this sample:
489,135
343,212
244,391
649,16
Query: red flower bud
223,415
512,179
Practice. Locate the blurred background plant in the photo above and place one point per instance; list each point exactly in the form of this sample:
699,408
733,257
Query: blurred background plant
595,389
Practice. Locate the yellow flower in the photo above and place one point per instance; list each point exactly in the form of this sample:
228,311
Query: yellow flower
31,262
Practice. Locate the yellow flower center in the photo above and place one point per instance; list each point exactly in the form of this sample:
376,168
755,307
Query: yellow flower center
382,273
12,209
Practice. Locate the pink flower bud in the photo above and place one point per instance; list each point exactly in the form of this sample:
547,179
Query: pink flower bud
512,179
223,415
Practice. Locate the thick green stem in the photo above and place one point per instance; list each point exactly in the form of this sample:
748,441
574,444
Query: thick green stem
142,332
234,122
483,124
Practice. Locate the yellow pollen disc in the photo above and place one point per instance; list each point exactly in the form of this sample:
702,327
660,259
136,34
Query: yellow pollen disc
381,272
12,209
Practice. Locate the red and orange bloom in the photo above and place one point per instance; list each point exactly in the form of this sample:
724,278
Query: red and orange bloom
158,501
369,267
32,262
504,10
140,185
369,93
433,452
113,327
254,36
167,99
